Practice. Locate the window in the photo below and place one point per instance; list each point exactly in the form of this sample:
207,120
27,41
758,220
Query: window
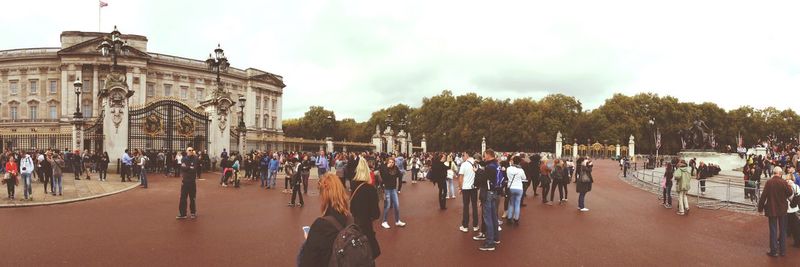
87,86
257,117
13,87
273,125
53,112
274,104
200,94
102,84
86,108
151,90
32,114
13,112
258,102
34,86
167,90
53,87
266,103
266,121
184,92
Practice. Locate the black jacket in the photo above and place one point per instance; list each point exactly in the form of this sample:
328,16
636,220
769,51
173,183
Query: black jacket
316,250
364,206
350,168
189,168
438,172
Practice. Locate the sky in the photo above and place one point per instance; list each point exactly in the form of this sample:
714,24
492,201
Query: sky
357,56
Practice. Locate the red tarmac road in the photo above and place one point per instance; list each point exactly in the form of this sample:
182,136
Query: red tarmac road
250,226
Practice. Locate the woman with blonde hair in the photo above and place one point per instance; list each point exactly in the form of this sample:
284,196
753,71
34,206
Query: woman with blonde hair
364,204
335,208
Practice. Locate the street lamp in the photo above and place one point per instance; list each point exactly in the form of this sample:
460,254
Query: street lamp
242,127
114,47
78,89
217,62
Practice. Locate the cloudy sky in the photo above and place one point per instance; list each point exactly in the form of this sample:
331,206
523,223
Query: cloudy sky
356,56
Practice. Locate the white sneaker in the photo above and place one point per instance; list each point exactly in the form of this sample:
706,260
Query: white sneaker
499,228
385,225
584,209
476,229
463,229
400,223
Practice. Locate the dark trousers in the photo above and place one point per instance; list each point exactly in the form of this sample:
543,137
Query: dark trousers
442,194
535,183
414,173
305,182
125,172
703,185
545,189
296,192
625,171
525,186
777,234
469,198
103,173
188,189
793,223
560,187
10,186
46,180
667,194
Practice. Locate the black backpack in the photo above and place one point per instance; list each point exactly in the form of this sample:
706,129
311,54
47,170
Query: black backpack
350,247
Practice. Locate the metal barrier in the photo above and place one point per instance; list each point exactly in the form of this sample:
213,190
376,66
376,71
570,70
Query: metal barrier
732,194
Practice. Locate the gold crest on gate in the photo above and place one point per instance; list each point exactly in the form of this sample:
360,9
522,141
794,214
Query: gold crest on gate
153,125
186,126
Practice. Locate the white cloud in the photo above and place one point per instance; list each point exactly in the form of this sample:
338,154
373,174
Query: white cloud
357,56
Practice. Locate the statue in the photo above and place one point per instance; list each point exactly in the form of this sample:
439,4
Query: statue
697,136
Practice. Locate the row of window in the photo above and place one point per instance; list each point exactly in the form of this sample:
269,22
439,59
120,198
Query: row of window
33,112
266,103
267,122
33,87
184,92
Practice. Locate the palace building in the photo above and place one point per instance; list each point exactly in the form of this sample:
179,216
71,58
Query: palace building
148,101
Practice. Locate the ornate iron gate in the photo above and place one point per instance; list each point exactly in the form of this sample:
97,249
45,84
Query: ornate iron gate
93,136
167,125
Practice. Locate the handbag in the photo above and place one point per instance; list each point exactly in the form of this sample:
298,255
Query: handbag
450,174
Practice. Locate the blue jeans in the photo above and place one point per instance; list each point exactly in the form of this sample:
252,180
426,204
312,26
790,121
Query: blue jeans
582,198
264,175
143,177
513,204
451,190
273,174
57,183
490,218
777,241
391,200
26,181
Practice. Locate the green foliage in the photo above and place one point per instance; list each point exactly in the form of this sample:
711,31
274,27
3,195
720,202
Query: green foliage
453,123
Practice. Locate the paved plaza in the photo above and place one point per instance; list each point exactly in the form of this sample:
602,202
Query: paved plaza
72,190
250,226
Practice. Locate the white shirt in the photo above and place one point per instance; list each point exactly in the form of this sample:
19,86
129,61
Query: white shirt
469,174
794,194
515,177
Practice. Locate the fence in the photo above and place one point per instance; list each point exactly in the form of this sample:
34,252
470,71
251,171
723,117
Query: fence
717,193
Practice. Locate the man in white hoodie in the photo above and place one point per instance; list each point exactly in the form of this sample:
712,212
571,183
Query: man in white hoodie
26,168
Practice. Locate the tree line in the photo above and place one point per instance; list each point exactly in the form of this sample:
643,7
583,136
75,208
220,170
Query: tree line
458,122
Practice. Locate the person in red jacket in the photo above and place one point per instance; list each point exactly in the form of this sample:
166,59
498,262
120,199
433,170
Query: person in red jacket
774,203
10,178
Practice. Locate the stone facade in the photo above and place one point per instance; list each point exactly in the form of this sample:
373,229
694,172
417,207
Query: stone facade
37,95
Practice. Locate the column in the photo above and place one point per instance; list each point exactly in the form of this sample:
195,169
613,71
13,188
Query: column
93,94
329,145
66,84
559,146
483,145
279,114
377,142
217,139
617,150
390,144
631,149
575,150
77,134
424,145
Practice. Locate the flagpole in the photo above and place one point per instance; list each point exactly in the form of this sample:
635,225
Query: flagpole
99,10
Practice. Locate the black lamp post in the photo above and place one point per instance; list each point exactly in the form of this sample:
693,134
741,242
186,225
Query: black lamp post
242,127
114,47
217,62
78,88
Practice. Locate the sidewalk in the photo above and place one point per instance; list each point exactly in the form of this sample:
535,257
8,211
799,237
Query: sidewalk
721,188
73,190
